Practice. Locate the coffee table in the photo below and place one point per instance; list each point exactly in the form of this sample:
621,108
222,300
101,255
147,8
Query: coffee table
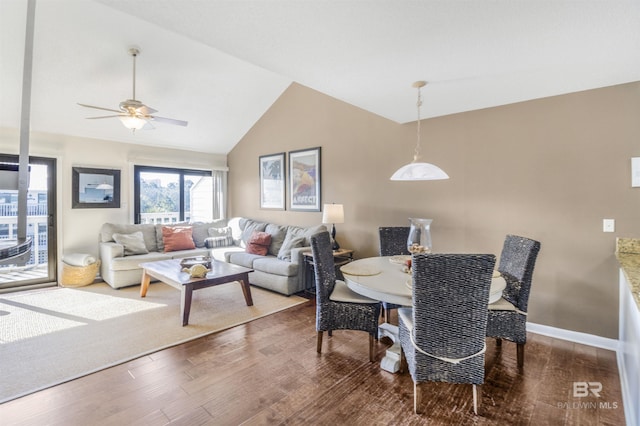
170,272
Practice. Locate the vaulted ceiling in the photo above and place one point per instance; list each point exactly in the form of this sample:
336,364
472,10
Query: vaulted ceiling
221,64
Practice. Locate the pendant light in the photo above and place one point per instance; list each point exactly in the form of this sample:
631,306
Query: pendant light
417,170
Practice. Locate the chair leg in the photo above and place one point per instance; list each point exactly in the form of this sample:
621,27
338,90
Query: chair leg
319,342
475,400
330,333
387,316
520,354
403,362
417,398
372,355
498,342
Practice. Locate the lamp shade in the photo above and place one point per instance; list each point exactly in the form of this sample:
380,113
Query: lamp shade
333,213
419,171
132,122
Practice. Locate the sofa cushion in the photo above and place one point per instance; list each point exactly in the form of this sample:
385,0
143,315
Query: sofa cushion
148,233
177,238
201,230
242,258
273,265
290,242
307,233
129,263
180,254
249,227
259,243
219,232
133,243
278,234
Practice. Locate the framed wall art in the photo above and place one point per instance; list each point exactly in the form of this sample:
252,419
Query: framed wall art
272,181
304,179
95,188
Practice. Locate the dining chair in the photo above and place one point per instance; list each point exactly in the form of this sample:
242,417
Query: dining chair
508,316
337,306
393,241
443,334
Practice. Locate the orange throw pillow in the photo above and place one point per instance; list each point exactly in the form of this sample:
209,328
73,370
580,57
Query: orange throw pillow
177,238
259,243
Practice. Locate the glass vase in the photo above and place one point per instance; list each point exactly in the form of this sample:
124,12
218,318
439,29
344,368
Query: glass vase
419,240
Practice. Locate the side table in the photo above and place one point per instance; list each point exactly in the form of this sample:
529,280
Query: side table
340,257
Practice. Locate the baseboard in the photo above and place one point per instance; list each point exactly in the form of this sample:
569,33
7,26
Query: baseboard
574,336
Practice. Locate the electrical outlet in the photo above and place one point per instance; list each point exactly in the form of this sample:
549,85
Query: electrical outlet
608,225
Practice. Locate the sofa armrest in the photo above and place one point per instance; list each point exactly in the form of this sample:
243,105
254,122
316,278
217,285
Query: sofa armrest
296,255
111,250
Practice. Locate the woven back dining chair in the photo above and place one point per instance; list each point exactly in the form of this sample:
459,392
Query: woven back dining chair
508,316
393,241
337,306
443,334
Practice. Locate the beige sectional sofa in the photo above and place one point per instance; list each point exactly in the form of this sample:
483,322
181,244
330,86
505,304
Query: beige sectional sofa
281,269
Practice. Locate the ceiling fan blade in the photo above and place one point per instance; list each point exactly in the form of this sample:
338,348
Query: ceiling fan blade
168,120
148,126
96,107
146,110
104,116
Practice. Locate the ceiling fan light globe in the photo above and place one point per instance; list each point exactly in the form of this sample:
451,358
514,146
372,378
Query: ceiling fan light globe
133,122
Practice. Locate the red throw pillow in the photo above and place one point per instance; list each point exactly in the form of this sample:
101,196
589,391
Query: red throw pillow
177,238
259,243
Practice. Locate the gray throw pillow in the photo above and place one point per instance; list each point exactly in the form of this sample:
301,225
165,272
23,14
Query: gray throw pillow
220,232
290,242
278,234
133,243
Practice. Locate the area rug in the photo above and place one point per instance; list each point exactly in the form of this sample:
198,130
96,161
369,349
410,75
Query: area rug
51,336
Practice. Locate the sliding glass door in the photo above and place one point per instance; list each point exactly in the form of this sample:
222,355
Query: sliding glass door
40,267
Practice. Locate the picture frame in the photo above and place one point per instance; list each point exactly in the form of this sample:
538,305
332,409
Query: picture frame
95,188
304,180
272,181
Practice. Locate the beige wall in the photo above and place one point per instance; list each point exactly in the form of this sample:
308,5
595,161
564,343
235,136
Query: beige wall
78,228
549,169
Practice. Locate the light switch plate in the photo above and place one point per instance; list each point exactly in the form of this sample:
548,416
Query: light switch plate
608,225
635,171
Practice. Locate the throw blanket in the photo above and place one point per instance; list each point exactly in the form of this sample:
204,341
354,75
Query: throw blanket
78,259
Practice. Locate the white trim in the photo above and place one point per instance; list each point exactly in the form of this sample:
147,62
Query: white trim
574,336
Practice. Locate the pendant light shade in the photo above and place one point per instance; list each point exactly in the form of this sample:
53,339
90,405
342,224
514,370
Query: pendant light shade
417,170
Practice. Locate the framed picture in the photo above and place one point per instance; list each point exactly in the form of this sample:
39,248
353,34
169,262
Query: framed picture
95,188
272,181
304,179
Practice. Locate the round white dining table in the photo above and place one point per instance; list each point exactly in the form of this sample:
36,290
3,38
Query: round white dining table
383,278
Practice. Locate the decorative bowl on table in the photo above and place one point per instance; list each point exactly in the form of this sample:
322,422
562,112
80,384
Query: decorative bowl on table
188,262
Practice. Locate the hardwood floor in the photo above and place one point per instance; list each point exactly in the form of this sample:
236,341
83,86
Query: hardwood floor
268,372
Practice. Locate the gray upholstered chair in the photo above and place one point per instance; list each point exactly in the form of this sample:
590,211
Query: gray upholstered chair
393,241
443,334
508,316
337,306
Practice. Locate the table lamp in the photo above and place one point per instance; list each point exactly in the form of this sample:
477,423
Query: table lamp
333,213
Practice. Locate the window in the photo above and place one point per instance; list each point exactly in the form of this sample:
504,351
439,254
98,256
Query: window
166,195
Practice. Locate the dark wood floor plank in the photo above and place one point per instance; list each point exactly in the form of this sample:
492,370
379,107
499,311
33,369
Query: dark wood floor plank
268,372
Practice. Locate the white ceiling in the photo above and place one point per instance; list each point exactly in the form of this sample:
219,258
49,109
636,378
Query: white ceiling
221,64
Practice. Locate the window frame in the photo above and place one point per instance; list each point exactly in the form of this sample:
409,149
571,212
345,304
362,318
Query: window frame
181,172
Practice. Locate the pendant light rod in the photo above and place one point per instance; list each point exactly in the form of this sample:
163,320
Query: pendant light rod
417,170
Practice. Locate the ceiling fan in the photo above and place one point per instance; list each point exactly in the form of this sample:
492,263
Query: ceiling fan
134,114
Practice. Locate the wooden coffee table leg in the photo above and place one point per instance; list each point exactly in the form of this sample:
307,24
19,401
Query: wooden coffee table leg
144,284
185,303
246,290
